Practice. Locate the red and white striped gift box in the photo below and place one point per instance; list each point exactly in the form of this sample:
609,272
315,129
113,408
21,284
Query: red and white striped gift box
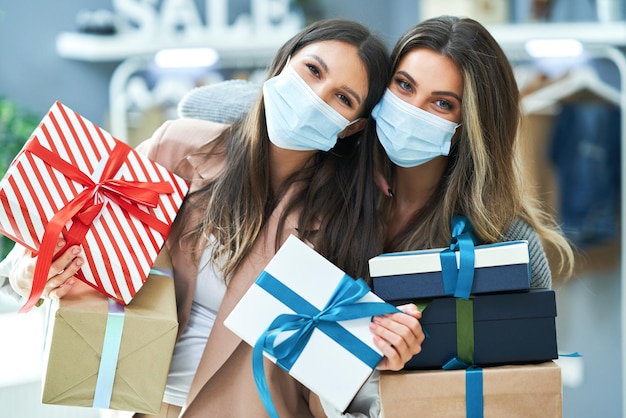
75,179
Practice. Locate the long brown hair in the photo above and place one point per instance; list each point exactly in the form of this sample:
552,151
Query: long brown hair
483,178
335,197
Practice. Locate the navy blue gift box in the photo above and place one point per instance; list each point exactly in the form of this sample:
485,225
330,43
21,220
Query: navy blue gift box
405,276
490,329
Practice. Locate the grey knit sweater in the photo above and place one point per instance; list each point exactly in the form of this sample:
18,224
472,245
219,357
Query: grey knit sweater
225,102
541,277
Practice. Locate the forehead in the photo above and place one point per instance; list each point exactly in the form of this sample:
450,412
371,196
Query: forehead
429,68
338,53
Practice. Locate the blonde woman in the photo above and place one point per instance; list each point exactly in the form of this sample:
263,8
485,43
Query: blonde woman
447,132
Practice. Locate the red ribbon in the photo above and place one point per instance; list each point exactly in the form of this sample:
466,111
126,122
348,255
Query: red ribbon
86,206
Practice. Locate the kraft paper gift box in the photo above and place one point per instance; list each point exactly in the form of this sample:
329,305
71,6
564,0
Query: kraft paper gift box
512,391
84,331
339,354
491,329
75,179
403,276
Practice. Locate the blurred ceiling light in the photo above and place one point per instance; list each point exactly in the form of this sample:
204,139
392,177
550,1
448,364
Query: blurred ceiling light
548,48
186,57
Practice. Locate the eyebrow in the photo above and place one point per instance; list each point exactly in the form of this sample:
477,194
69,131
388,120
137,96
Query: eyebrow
448,93
322,63
442,93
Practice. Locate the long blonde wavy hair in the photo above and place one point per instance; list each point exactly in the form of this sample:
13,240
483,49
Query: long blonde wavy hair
483,179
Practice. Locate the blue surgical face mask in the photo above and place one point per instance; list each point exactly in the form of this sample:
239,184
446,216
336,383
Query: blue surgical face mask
411,136
297,118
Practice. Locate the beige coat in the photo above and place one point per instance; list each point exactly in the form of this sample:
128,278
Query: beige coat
224,384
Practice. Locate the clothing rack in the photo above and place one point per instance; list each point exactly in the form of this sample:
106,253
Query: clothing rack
579,80
600,41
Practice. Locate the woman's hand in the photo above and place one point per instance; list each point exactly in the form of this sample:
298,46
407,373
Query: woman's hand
399,336
60,276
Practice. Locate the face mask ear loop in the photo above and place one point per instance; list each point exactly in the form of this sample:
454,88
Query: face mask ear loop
353,122
341,134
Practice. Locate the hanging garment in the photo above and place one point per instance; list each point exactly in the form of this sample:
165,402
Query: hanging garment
585,151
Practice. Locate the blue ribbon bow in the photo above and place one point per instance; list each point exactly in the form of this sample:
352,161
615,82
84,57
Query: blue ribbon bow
459,281
342,306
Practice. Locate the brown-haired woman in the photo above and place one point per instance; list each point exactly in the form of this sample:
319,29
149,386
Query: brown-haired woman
294,165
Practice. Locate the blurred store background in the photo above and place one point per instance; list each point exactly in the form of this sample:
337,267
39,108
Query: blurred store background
108,60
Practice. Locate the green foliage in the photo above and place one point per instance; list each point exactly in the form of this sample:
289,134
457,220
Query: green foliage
16,126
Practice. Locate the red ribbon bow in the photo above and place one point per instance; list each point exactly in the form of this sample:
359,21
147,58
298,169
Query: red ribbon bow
85,207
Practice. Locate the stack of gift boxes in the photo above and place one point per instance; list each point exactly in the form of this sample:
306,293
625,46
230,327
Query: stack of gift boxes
488,353
490,339
109,341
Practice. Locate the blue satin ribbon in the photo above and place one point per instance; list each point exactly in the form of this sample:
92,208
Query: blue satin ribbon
110,354
474,403
459,281
162,271
574,354
342,306
474,407
464,359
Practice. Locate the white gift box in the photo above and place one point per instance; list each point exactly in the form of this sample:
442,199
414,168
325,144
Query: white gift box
325,366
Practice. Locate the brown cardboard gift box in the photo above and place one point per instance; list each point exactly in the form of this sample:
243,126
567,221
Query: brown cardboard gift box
524,391
74,346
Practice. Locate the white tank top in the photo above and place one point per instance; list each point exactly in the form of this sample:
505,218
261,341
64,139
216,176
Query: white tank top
210,289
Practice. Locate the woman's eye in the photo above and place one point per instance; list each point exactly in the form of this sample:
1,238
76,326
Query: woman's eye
345,99
444,104
403,85
313,69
